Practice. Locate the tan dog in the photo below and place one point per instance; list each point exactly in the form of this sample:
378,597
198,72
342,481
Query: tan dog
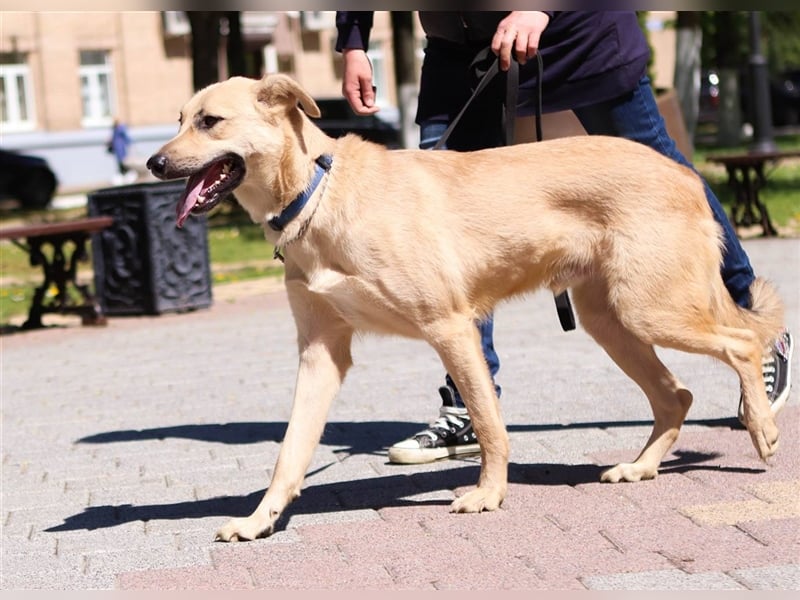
421,244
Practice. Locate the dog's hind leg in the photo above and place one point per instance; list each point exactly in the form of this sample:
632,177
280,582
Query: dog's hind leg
683,324
324,350
740,349
743,356
457,342
669,399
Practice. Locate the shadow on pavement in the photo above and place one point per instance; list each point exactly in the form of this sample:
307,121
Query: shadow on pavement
358,494
365,437
371,493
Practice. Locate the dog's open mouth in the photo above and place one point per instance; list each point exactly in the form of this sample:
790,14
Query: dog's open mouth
208,186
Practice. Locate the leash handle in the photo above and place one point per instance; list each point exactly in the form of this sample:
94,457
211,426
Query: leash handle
512,92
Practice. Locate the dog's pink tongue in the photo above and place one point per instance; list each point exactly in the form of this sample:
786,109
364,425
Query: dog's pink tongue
189,198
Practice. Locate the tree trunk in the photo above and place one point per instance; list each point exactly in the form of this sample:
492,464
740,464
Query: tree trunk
235,49
727,37
405,76
689,42
205,47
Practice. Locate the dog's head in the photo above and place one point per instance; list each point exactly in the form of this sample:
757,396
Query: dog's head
226,130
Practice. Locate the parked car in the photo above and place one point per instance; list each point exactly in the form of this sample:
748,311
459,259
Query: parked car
709,97
27,179
784,97
338,118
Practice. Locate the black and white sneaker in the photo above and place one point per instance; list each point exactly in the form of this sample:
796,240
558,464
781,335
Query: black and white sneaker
776,367
449,436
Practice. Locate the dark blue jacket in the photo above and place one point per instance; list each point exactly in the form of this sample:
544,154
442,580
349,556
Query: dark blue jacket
588,56
120,140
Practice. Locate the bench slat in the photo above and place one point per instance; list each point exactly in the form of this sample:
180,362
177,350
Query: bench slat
89,225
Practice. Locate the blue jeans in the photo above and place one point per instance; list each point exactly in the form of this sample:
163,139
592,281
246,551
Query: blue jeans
633,116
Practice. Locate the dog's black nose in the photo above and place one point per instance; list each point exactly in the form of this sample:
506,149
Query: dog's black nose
157,164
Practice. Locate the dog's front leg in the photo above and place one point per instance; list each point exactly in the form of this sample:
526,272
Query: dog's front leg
324,360
458,344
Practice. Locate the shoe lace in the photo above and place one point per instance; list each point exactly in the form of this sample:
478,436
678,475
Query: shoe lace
446,422
768,368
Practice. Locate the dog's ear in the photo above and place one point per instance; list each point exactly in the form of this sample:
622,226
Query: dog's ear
279,89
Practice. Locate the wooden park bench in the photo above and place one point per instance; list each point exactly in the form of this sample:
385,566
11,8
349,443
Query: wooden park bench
746,176
59,269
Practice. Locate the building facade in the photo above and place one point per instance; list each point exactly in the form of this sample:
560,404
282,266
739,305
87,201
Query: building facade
65,76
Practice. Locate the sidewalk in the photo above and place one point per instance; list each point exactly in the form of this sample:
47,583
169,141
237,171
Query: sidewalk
125,447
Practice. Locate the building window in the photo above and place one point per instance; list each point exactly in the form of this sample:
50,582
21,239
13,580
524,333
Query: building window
96,88
16,97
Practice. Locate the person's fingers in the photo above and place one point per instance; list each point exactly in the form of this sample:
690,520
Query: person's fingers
520,33
352,93
360,95
367,91
526,46
507,38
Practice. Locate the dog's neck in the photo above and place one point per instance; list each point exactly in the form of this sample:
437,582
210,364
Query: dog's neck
279,222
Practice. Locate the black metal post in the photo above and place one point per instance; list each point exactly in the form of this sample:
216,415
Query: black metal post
759,91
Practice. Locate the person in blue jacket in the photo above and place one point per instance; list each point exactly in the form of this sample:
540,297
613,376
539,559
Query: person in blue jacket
118,145
595,64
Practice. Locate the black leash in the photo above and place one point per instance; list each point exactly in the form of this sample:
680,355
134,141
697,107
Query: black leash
563,304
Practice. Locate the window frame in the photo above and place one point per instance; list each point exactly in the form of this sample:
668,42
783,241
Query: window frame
12,74
93,90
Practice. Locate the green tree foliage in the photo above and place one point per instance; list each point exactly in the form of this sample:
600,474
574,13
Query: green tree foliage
782,40
726,42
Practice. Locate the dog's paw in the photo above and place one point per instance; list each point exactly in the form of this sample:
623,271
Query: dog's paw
241,530
478,500
765,437
628,472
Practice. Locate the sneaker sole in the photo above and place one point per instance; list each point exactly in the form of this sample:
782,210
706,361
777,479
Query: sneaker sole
413,456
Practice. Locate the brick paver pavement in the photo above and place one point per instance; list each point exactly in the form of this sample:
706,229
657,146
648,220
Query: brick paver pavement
125,447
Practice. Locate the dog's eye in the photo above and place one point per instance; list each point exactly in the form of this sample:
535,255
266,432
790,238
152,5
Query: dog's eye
209,121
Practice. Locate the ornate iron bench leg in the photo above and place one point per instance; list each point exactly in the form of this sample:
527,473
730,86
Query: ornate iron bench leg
37,257
62,273
759,182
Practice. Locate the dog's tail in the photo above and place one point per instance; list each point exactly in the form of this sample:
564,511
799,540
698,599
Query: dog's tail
765,316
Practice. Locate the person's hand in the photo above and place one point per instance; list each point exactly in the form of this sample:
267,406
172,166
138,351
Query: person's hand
519,32
357,82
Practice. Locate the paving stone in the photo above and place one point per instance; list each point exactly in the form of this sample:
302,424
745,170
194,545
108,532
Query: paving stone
121,479
663,580
772,577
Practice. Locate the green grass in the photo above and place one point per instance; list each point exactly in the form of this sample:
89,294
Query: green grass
237,251
781,194
236,243
14,300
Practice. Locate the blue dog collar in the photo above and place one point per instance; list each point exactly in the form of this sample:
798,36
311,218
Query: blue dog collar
323,165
